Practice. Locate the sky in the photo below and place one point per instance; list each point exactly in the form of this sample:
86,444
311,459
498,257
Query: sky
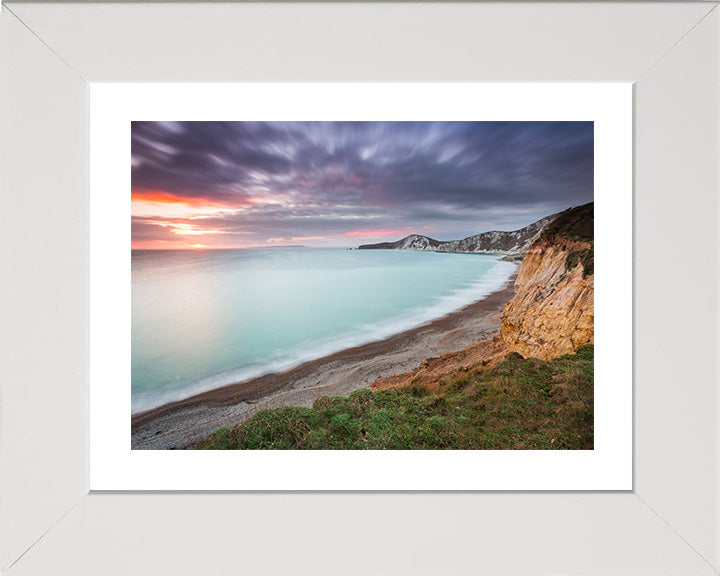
251,184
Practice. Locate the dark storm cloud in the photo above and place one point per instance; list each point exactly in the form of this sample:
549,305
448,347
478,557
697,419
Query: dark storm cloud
212,160
330,177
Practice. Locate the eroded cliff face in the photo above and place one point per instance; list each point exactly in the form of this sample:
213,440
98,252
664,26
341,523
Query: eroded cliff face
552,312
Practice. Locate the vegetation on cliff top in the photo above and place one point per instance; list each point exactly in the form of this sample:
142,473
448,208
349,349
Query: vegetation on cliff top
575,224
517,404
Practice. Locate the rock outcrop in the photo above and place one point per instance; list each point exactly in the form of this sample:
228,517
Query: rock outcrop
552,312
412,242
418,242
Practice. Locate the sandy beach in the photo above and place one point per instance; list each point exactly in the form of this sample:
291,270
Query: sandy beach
181,424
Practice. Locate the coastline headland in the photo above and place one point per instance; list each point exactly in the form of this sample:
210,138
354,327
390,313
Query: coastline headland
529,387
179,425
544,311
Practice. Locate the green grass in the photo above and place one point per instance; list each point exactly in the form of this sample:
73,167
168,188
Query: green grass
518,404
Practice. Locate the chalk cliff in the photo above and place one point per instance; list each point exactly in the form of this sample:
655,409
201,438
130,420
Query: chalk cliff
498,242
516,242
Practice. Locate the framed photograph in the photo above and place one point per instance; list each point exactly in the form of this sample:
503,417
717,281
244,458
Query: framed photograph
579,141
101,95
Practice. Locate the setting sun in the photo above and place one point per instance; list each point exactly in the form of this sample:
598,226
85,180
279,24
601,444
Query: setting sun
198,245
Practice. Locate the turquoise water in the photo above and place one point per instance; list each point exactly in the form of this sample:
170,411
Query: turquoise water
205,318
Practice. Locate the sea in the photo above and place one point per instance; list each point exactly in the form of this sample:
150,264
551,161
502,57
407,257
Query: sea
202,318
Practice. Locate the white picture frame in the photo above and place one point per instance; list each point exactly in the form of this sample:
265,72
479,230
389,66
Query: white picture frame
114,465
50,523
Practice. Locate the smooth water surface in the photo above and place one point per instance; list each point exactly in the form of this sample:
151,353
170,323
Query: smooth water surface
205,318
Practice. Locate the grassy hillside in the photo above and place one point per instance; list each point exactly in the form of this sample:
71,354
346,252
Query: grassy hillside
517,404
576,223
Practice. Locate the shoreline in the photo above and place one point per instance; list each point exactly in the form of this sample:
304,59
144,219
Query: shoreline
180,424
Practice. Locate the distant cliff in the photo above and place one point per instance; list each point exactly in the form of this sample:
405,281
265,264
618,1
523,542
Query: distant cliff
412,242
516,242
552,312
495,242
